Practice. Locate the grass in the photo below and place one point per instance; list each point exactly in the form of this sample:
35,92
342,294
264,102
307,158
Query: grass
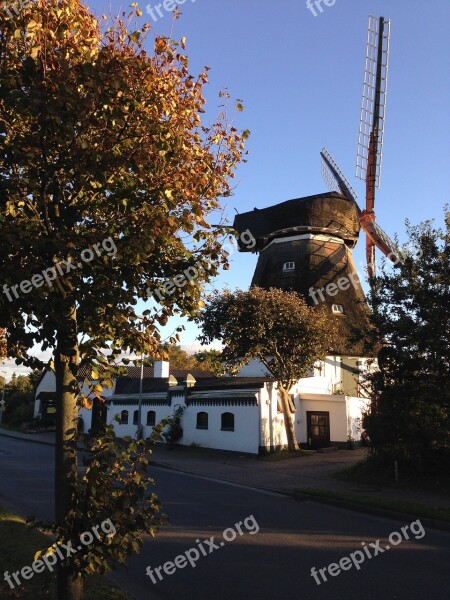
376,471
409,508
284,455
18,545
9,427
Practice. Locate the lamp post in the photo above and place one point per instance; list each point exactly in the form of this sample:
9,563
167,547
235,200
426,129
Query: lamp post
141,379
2,402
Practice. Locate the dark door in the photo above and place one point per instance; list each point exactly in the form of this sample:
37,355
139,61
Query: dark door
99,415
318,429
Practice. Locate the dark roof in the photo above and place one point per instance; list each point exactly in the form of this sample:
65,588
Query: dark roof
128,385
230,383
135,372
46,396
329,212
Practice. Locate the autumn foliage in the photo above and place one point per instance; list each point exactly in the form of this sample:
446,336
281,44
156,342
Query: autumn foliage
101,139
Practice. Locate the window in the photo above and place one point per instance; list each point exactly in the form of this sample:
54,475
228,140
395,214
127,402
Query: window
151,418
124,417
289,266
202,420
319,425
227,421
135,417
337,309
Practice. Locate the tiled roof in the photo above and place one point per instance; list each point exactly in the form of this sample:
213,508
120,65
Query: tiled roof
135,373
130,385
150,382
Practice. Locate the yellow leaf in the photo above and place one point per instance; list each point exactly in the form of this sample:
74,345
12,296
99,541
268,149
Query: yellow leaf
38,554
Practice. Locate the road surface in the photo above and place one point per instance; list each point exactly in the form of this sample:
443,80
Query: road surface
282,540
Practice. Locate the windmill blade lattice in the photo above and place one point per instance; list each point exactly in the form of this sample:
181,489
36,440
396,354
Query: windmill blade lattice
373,110
334,177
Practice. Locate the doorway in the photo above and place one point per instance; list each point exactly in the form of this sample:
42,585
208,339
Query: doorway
318,426
99,416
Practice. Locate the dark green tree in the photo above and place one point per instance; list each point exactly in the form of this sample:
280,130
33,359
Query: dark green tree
409,415
19,399
276,327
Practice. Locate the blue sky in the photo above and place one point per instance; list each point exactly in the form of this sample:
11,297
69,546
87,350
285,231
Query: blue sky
300,78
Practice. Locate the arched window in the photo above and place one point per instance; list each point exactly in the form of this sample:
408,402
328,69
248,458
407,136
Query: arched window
135,417
151,418
202,420
227,421
124,417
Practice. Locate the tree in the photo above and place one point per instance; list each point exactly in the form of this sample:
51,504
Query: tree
274,326
179,358
410,393
19,399
107,178
211,360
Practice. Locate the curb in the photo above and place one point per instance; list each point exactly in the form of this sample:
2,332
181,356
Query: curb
33,441
21,439
162,465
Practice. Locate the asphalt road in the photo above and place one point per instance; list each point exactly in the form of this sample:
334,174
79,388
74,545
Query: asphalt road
275,562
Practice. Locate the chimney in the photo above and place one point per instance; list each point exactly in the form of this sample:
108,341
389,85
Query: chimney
161,369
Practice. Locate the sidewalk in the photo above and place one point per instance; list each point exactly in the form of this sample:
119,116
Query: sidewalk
289,475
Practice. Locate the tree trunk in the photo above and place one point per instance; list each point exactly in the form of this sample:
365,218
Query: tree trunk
290,433
69,587
66,464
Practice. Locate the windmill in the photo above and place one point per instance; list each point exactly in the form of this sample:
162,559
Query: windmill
370,142
306,244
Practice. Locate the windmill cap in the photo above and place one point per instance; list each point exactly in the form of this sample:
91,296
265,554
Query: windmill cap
329,213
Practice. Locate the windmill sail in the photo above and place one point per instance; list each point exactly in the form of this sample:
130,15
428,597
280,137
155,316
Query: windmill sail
371,130
373,109
335,178
380,239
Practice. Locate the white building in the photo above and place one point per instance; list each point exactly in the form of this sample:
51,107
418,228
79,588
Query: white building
240,414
